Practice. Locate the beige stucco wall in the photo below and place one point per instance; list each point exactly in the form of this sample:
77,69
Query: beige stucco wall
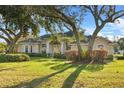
21,48
107,46
35,48
83,46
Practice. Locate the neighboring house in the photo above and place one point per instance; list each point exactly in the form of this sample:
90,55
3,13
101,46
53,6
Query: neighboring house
43,45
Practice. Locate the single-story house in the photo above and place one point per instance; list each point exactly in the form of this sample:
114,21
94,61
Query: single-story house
44,45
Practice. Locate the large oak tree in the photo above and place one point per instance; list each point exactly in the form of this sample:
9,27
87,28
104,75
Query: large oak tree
15,22
102,15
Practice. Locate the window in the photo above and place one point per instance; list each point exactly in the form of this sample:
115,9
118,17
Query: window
68,47
26,49
101,46
31,49
43,45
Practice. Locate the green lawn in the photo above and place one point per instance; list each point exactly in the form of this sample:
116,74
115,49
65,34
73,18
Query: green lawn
44,72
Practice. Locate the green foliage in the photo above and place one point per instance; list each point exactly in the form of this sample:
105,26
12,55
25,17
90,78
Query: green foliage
17,21
3,47
14,57
121,43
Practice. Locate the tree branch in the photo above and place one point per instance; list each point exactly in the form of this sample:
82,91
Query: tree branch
117,17
11,32
6,39
6,33
68,27
62,16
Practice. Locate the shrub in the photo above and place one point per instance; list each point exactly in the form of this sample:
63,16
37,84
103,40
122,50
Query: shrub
72,55
14,57
102,53
85,55
98,56
37,54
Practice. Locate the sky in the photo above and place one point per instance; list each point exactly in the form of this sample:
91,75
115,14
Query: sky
111,30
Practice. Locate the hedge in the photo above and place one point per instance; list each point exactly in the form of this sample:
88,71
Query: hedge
120,57
37,54
14,57
109,57
59,55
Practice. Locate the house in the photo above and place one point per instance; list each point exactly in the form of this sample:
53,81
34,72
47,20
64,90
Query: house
44,45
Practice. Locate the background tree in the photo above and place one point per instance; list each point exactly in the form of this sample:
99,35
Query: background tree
102,15
16,21
121,43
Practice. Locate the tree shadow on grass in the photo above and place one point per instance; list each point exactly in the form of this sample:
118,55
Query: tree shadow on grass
61,66
49,64
38,81
94,67
12,68
6,69
46,60
68,83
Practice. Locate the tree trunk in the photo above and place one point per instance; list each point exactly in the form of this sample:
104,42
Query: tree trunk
11,45
92,40
10,48
78,43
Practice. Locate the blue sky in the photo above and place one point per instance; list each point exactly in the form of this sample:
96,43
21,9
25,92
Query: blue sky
110,30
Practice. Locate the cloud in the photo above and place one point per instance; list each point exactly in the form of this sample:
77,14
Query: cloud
89,31
108,32
114,38
118,25
110,37
100,34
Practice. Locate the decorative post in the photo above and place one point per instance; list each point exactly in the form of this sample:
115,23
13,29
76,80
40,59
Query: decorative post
62,47
47,47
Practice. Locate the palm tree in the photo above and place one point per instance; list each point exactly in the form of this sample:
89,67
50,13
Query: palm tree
56,39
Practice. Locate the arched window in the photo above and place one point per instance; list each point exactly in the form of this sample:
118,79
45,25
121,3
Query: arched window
100,46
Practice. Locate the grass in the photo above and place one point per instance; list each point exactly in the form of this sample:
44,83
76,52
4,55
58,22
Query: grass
46,72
